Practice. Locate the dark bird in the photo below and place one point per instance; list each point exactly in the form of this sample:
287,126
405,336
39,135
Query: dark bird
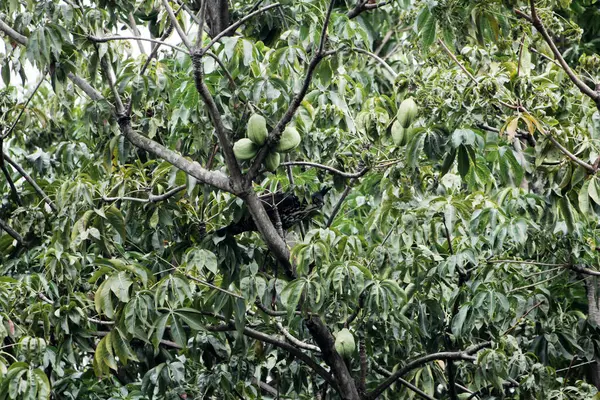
290,208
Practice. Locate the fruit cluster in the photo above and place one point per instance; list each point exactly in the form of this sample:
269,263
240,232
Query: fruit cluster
246,148
407,112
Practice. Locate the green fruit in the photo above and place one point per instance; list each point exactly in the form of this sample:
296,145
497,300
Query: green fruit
407,112
398,134
272,161
290,139
344,343
257,129
244,149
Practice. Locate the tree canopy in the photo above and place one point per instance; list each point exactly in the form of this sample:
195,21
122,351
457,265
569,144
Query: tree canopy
449,154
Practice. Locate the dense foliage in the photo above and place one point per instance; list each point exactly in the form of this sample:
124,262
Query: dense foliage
456,255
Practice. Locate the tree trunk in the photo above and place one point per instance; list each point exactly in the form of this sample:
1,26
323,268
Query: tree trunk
217,16
591,285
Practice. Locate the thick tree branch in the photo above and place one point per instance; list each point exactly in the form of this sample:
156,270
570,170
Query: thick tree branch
265,387
14,35
186,41
214,178
32,182
326,342
268,232
364,5
213,111
539,26
11,232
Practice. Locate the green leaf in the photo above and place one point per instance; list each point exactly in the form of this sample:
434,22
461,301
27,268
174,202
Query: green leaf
458,321
426,26
177,331
116,219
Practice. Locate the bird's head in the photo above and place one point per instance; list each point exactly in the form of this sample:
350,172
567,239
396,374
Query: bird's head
318,198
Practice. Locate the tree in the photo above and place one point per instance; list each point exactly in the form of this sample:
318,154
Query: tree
458,246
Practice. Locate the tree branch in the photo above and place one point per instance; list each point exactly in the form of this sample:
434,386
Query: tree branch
265,387
539,26
328,168
453,57
106,39
576,268
14,35
263,337
364,5
214,178
12,127
175,23
294,340
136,32
33,183
6,173
275,134
231,28
167,343
326,342
378,368
152,198
11,232
379,60
465,355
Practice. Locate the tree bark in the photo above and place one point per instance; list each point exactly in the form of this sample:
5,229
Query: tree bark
217,15
346,385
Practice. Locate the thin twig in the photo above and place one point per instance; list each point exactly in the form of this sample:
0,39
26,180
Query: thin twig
151,197
522,317
97,39
328,168
295,341
210,285
453,57
534,284
378,59
12,127
338,205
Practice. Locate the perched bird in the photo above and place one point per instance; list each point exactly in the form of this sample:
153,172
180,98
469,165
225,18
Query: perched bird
290,208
